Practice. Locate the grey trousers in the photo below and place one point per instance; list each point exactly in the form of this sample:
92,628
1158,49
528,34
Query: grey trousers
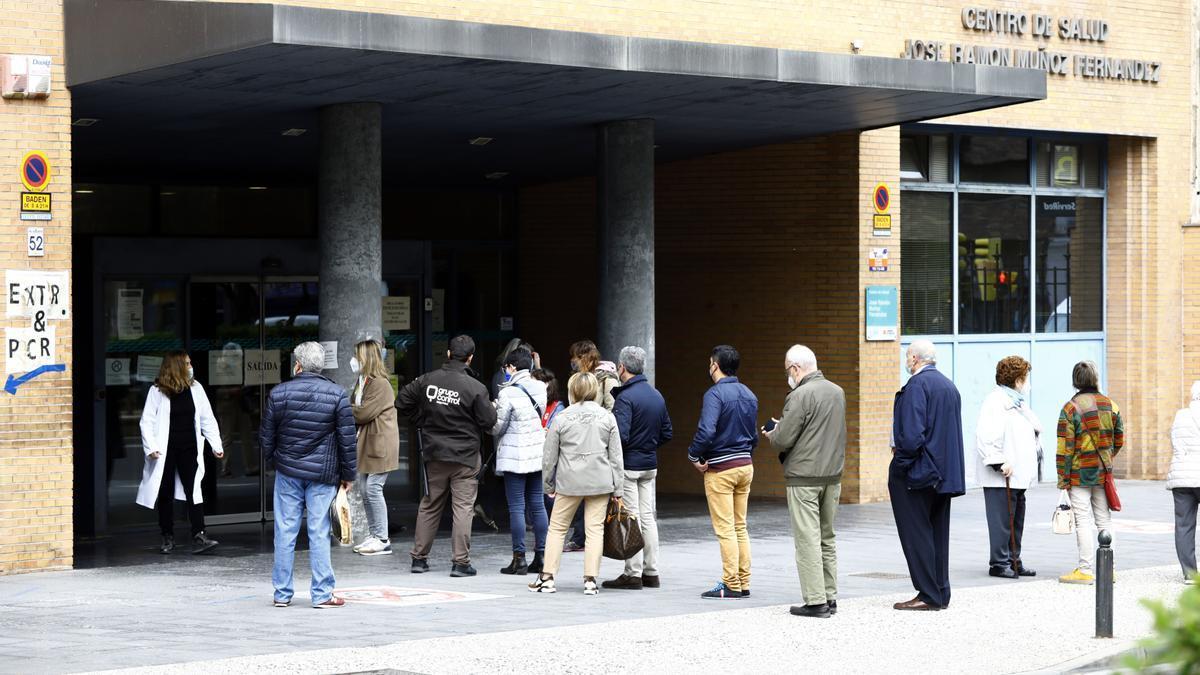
371,488
1186,502
1000,537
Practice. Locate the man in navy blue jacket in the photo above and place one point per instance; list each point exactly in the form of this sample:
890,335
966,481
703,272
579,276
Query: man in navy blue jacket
308,437
926,473
722,450
645,427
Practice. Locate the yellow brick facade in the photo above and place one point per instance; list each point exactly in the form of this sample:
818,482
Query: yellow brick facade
35,425
800,213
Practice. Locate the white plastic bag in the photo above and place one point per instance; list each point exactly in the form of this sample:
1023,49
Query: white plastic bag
339,516
1063,520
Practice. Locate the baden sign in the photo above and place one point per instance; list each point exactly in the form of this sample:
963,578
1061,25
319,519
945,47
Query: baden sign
1041,28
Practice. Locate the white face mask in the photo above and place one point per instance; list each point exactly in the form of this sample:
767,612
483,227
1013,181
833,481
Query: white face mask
354,365
191,373
1025,386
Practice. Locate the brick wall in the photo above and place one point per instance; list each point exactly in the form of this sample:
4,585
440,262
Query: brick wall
35,425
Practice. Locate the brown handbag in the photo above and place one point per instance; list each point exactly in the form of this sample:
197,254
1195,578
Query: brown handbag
622,533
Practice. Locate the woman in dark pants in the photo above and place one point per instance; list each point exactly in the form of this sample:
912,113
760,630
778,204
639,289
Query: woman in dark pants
1184,481
176,421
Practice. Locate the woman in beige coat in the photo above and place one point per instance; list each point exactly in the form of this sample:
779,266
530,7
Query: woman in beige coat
374,408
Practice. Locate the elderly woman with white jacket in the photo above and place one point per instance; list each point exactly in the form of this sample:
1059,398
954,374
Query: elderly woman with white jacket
1184,481
1007,448
519,439
176,420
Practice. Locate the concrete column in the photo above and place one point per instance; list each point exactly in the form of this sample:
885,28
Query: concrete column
349,225
625,225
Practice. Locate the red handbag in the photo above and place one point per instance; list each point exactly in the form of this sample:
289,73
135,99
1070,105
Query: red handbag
1110,486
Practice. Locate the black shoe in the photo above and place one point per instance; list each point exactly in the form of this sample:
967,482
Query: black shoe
722,592
1002,572
624,582
650,581
1025,571
746,593
202,544
462,570
168,544
820,611
517,566
832,607
539,560
419,566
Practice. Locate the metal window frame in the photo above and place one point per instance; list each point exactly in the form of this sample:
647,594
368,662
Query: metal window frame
957,186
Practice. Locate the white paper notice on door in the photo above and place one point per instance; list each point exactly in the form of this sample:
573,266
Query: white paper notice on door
148,367
129,314
116,372
397,313
225,367
261,366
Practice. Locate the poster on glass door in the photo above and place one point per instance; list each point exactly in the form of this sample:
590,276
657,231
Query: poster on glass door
261,367
225,366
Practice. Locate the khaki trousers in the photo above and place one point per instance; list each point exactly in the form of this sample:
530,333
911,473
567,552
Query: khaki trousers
593,524
728,495
456,482
813,510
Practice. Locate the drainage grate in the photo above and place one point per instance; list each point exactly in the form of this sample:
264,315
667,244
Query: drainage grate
880,575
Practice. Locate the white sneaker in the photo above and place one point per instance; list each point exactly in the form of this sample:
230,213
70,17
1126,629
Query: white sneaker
374,546
542,584
590,587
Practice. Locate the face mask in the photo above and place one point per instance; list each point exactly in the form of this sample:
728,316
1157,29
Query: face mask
574,366
507,376
191,373
791,382
354,365
1025,386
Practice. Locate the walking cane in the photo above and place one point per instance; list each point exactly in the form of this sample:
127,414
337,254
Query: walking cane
1012,530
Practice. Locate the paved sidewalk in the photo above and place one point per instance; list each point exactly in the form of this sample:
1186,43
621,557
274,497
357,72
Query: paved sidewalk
174,609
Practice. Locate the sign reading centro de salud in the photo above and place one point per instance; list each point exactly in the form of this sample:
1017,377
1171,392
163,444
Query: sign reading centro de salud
1041,28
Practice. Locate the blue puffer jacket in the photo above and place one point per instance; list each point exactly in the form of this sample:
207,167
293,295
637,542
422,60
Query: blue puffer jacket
308,430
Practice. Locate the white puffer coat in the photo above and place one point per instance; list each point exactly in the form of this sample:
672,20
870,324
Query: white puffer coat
518,431
1006,434
1185,439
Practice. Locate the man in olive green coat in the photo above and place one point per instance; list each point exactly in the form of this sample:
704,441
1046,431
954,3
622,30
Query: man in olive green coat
811,439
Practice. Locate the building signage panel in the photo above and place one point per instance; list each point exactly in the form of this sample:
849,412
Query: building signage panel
882,225
878,261
881,313
1042,30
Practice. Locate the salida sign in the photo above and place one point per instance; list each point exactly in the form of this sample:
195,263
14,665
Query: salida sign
1041,28
43,297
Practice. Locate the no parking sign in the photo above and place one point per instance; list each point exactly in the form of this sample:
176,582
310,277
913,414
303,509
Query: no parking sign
35,171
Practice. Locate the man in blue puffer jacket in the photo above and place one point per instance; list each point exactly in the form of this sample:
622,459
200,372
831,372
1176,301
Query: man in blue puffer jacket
308,437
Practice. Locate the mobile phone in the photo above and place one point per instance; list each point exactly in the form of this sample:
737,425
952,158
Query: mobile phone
769,426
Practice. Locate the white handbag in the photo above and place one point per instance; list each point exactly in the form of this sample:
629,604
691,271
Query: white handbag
1063,520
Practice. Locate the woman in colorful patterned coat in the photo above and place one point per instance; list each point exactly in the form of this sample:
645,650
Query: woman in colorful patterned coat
1090,434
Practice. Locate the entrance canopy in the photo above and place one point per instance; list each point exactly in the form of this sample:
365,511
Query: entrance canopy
203,90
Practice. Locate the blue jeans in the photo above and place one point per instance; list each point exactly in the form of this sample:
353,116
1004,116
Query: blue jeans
292,497
525,490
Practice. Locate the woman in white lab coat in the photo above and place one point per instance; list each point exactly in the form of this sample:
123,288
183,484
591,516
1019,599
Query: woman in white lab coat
175,423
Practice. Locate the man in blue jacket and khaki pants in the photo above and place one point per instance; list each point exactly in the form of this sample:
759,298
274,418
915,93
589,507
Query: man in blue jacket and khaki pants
926,473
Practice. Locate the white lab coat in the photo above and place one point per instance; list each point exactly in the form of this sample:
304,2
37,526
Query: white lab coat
156,428
1006,435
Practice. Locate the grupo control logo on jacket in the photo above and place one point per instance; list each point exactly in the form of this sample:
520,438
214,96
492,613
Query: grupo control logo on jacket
442,396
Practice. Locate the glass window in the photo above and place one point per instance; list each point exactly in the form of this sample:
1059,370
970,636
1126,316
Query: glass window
1068,165
926,296
993,263
925,158
1070,283
994,159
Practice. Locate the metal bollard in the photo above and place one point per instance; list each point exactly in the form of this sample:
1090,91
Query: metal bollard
1104,586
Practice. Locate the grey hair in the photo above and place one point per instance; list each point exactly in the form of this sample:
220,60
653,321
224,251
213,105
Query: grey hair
310,356
924,351
1085,375
799,355
633,358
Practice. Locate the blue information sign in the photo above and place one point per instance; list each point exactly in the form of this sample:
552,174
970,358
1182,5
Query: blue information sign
881,313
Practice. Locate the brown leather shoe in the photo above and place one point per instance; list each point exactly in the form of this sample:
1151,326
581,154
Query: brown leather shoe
624,582
916,605
650,581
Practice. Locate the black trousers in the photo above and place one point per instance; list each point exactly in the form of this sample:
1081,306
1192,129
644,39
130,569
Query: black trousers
996,504
923,523
181,459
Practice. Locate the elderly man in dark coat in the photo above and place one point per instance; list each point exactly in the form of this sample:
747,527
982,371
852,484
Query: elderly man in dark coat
926,473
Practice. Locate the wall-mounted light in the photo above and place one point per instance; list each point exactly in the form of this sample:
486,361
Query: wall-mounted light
293,132
495,175
481,140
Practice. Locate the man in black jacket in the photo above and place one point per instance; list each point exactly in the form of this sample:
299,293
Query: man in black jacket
452,410
308,437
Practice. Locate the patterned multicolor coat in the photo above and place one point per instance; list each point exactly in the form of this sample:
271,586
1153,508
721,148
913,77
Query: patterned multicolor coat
1089,431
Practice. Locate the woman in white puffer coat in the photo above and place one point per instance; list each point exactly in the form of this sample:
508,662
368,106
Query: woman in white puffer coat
519,440
1184,481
